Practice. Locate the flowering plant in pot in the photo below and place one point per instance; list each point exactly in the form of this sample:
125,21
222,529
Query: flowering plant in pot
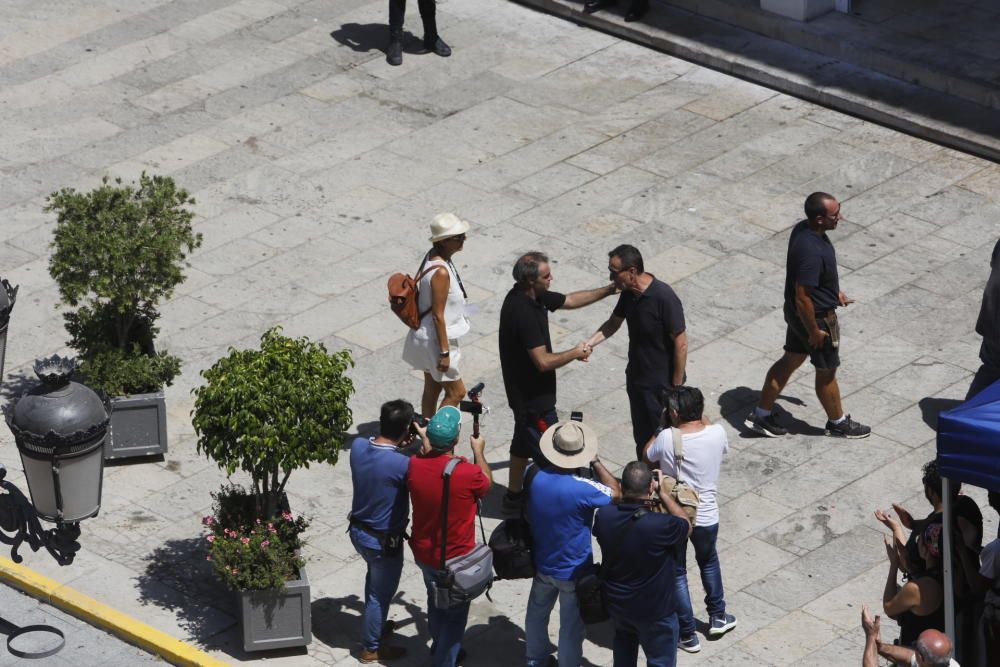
249,553
268,412
118,252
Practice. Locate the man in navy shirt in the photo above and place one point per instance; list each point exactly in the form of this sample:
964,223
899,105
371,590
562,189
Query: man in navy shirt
528,362
379,514
638,548
657,339
561,509
812,296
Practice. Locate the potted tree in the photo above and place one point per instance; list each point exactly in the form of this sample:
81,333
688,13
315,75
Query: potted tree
268,412
119,251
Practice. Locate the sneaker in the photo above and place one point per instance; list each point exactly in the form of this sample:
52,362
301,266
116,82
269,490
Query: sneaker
690,644
848,429
767,426
720,625
381,654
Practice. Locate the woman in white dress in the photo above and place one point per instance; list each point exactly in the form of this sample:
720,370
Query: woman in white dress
441,301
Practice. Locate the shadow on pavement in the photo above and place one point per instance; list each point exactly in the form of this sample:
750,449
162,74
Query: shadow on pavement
735,404
931,407
336,622
367,37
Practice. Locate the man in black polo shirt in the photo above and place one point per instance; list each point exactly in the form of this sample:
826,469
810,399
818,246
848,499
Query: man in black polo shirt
812,295
657,339
638,547
528,362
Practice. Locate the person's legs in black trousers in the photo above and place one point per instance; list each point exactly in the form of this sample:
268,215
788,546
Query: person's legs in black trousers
432,41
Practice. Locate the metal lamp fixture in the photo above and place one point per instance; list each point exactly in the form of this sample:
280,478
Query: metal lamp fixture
8,295
60,428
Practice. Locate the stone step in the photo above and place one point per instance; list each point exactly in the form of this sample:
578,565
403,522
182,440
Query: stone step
849,38
822,79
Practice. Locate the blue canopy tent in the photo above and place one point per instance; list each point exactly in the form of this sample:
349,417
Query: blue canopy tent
968,451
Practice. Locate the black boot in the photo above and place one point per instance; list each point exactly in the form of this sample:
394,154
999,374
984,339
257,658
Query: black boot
394,54
438,46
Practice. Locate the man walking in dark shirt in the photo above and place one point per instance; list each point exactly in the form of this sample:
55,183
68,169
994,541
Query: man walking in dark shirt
812,296
657,339
638,548
528,362
988,326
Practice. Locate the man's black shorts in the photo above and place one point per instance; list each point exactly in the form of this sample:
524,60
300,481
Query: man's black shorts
528,431
797,341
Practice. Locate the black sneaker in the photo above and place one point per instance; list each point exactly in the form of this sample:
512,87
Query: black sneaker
690,644
767,426
848,429
720,625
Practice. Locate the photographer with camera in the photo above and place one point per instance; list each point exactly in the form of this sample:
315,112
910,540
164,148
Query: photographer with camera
451,517
560,508
379,513
638,546
700,447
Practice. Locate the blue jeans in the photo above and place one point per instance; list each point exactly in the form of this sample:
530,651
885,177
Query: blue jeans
447,626
381,583
544,590
657,638
703,538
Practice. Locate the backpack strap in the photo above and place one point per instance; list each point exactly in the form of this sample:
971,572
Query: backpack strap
529,476
421,272
678,439
449,469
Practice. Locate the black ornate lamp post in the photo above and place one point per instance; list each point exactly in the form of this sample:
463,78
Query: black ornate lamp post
60,428
8,295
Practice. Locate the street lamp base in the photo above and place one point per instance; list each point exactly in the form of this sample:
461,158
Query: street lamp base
19,525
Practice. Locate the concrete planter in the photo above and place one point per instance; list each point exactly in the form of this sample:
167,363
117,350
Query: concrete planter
138,426
277,619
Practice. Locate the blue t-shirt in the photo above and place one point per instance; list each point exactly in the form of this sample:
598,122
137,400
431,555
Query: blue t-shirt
561,509
638,568
811,262
381,499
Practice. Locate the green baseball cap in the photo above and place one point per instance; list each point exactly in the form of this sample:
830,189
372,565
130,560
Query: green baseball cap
443,427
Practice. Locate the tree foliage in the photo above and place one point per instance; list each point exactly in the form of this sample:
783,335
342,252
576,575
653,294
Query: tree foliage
272,410
119,251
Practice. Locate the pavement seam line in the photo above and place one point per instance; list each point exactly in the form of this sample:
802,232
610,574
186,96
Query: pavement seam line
102,616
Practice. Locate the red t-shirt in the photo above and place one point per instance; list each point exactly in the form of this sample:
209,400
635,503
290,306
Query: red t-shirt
468,483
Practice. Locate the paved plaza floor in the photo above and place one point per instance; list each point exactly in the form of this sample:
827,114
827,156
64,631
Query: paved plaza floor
316,168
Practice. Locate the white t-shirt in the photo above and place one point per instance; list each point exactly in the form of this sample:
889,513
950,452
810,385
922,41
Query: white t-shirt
703,453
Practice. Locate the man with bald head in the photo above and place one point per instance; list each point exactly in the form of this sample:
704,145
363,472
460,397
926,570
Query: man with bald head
932,648
812,296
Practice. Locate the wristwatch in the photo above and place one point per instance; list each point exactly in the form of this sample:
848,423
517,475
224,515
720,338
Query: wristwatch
445,353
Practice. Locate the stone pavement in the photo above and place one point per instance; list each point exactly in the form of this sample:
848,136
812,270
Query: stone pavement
316,168
84,643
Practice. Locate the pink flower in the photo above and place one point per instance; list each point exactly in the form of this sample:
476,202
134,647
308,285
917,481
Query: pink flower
208,558
287,516
210,538
274,531
235,571
245,540
265,543
258,522
208,521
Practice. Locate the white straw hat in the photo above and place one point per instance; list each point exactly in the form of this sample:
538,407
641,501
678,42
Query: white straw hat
569,444
447,224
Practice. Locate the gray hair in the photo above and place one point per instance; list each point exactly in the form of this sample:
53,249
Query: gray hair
931,658
526,267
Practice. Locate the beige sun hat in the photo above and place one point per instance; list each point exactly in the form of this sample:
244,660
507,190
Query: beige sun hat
569,444
447,224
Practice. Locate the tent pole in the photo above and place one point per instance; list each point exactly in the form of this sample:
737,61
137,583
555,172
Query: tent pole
949,584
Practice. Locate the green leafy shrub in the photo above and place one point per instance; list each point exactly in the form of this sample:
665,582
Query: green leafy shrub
247,552
272,410
119,251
